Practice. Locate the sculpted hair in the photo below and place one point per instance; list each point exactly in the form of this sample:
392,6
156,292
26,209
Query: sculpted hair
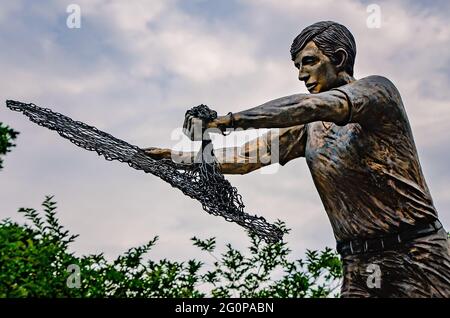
329,36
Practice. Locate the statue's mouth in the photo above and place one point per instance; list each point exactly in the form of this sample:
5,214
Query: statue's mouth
311,86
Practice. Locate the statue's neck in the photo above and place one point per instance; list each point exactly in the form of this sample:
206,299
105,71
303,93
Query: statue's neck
344,78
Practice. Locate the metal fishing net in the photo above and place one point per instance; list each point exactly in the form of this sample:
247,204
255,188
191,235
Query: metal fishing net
201,180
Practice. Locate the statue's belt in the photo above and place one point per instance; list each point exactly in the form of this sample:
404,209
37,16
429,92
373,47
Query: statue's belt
387,242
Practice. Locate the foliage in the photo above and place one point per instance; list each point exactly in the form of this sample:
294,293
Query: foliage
7,135
36,262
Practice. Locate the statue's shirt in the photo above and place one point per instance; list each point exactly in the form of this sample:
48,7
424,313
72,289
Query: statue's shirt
367,170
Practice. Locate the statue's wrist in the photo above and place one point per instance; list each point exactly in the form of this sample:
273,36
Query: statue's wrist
223,122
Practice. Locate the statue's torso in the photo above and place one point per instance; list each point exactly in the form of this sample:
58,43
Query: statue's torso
369,179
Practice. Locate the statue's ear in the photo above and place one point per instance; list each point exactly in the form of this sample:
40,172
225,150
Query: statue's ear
341,57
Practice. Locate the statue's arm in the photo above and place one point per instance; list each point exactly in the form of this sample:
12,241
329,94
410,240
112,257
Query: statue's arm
232,160
272,147
249,157
373,102
330,106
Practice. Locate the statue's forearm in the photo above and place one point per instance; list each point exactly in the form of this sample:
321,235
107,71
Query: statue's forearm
233,160
241,160
291,110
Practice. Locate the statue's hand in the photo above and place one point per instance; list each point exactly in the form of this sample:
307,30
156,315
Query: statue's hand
158,153
192,126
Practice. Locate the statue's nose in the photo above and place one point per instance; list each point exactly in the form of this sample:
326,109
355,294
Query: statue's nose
303,77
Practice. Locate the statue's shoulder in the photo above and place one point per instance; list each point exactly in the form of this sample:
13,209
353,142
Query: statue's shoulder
377,80
379,83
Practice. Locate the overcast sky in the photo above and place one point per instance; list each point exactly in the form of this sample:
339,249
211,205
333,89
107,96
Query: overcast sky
135,67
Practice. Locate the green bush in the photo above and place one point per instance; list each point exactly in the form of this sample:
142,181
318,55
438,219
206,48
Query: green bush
7,135
36,262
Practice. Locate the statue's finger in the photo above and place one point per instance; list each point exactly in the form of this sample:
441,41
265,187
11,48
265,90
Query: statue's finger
197,124
150,149
184,129
186,126
186,120
189,125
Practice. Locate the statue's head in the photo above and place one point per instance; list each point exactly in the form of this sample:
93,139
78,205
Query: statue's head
324,54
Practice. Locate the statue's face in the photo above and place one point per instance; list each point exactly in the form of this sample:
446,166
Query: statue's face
315,69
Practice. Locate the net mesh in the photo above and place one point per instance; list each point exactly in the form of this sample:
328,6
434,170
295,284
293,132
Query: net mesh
201,180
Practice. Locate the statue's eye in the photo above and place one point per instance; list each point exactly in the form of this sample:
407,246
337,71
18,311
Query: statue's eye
308,60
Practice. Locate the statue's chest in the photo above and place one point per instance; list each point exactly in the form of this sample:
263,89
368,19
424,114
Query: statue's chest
330,146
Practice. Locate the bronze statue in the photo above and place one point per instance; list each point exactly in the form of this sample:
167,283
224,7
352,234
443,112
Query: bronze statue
359,147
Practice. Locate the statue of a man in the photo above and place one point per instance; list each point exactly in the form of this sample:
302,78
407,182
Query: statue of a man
359,147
